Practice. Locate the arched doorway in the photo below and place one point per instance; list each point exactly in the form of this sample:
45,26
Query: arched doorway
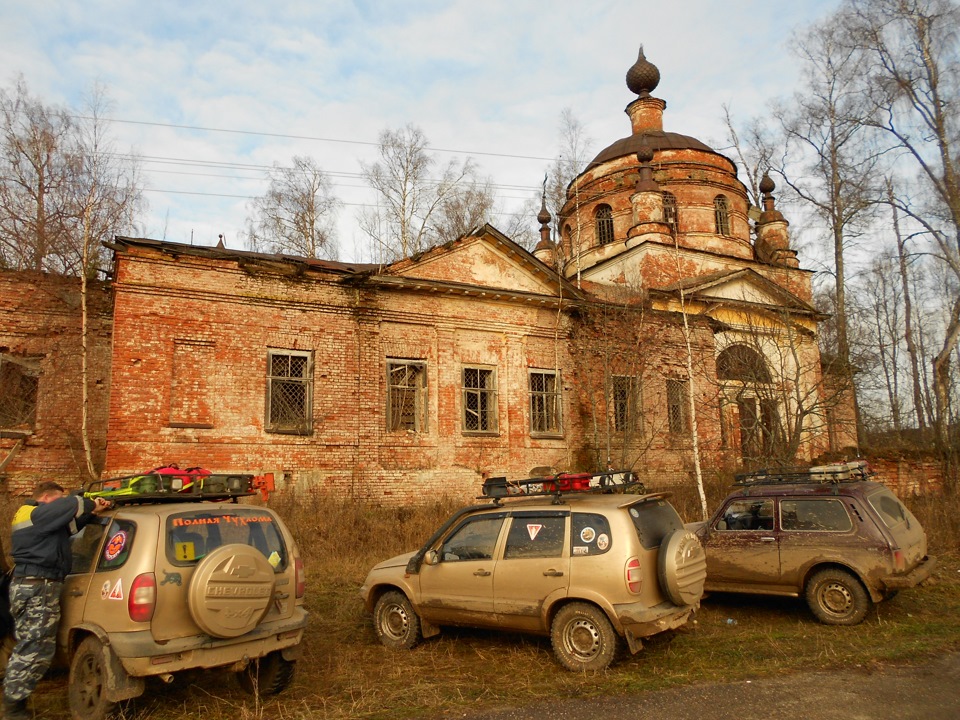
748,384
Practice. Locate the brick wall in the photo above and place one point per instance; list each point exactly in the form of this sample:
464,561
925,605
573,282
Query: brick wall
40,319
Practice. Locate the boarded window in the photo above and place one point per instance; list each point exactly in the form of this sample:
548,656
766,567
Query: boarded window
406,395
193,364
19,381
678,414
670,211
604,229
289,391
545,402
479,400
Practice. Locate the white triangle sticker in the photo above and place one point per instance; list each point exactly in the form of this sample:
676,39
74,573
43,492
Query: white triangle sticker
117,592
534,530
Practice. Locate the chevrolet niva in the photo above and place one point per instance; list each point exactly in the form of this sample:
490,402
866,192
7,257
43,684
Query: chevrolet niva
584,559
179,576
828,534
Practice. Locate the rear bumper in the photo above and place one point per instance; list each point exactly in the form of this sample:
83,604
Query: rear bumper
913,578
141,656
640,621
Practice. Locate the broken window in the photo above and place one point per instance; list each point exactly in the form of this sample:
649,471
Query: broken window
289,391
406,395
721,210
626,403
604,218
479,400
19,380
545,402
678,413
670,211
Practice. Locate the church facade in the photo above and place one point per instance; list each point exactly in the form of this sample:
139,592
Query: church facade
668,319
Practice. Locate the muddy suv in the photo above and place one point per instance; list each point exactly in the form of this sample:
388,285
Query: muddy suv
583,559
828,534
179,578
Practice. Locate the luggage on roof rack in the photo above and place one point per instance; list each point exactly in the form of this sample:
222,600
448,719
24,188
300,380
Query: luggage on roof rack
170,484
852,471
609,482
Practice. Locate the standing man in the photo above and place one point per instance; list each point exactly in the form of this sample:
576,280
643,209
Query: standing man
40,545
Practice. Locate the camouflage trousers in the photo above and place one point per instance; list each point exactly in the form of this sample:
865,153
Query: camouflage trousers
35,607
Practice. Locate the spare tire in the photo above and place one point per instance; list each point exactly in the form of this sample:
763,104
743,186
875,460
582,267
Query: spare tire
231,591
682,567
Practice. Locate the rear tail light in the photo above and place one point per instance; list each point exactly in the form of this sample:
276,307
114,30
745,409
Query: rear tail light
142,600
301,578
899,561
634,580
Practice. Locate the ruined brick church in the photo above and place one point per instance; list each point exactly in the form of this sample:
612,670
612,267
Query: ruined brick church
670,317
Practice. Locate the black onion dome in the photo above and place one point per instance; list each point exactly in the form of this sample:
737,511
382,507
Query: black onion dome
654,139
643,76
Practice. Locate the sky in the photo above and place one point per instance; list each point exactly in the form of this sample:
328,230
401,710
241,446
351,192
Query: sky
212,94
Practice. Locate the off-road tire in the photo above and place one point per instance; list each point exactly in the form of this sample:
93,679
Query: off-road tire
682,568
836,597
87,685
231,591
583,638
266,676
396,622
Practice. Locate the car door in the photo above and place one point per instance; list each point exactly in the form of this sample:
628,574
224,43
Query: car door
458,589
84,549
742,547
534,567
815,530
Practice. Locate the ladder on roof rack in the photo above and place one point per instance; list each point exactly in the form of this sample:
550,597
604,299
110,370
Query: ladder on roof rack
612,481
853,471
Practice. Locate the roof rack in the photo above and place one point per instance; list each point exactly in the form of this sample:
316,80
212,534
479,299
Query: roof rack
167,487
853,471
612,481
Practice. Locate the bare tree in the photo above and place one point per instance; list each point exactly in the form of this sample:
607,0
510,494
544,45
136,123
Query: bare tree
297,213
416,199
465,209
912,50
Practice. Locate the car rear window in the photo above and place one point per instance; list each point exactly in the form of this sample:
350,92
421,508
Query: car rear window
590,534
820,514
654,520
193,535
889,508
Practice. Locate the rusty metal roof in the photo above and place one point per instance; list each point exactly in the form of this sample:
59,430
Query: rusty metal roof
656,139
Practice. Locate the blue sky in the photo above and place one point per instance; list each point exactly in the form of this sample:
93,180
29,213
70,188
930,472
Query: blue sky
324,77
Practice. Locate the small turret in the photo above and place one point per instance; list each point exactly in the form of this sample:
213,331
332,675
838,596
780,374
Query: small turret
773,238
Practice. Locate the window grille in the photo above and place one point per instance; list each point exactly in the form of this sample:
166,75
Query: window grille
721,209
406,396
545,402
626,406
289,391
678,415
670,211
604,218
479,400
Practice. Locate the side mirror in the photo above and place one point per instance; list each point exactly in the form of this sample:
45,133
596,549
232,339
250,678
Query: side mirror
431,558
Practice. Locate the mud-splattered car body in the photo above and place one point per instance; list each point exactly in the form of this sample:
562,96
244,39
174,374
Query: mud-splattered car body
842,545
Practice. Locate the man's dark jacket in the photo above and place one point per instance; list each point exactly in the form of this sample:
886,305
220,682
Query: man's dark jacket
40,541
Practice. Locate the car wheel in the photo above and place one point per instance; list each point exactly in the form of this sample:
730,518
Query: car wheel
269,675
231,591
583,638
87,686
682,568
837,598
396,623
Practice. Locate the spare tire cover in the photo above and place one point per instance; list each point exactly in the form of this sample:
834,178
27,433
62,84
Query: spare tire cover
682,567
231,590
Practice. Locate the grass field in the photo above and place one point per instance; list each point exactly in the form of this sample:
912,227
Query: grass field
345,673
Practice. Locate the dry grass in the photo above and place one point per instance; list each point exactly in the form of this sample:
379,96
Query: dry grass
345,673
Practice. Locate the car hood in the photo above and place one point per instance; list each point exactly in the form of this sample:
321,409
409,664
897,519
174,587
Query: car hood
397,561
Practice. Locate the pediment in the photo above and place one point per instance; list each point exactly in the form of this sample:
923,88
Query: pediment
485,259
741,286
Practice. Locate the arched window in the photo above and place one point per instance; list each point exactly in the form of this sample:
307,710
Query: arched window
721,210
604,229
670,211
739,362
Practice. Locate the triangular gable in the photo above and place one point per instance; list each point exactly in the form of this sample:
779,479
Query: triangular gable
740,286
487,259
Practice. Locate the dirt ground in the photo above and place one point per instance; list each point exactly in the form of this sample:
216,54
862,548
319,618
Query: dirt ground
925,691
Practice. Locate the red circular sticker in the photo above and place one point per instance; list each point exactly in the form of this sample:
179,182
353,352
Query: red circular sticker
115,546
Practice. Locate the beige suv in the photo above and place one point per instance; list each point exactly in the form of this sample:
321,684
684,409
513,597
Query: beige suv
172,580
586,567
